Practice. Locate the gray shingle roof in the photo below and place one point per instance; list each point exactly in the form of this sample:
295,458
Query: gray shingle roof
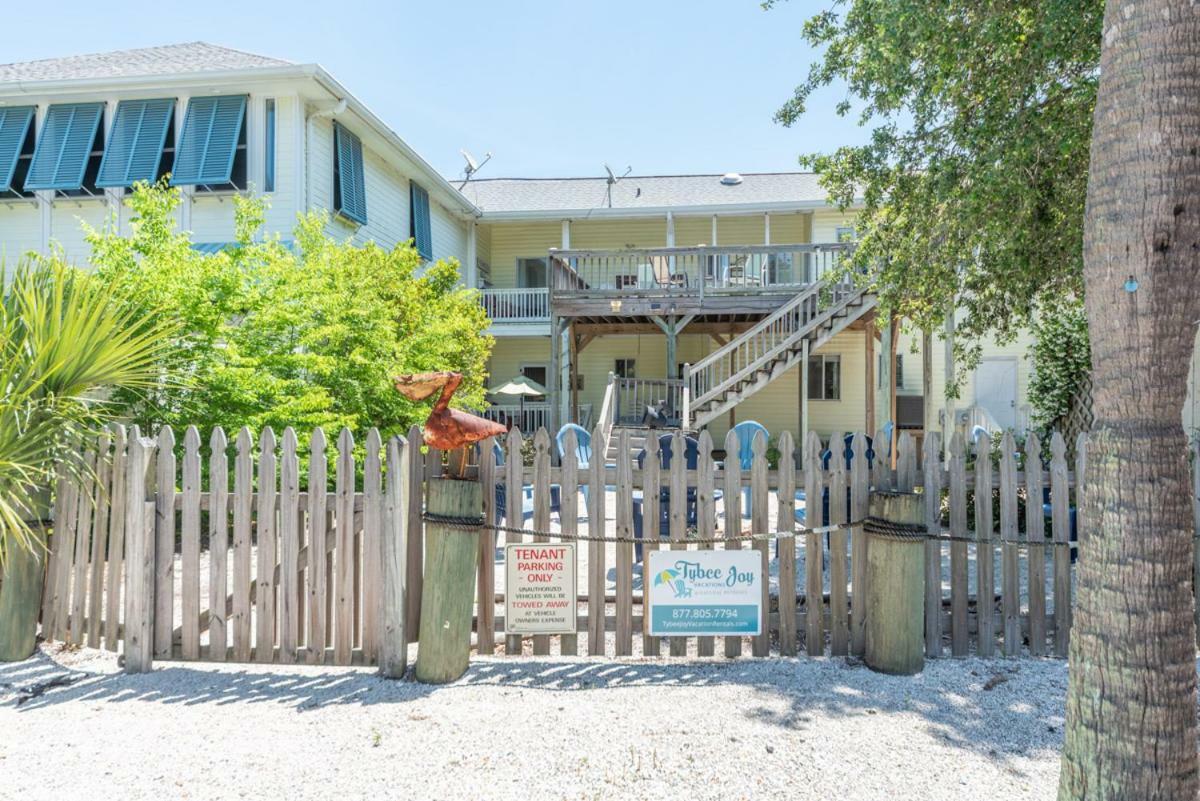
164,60
499,195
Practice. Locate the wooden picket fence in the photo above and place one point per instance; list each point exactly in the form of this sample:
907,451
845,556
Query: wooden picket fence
169,560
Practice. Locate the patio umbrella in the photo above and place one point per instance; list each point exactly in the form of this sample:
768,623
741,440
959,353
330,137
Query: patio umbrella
520,386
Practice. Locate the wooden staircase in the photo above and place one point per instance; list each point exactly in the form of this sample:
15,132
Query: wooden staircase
637,440
754,359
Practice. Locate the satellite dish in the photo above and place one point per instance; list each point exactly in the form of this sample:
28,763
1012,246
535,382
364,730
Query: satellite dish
612,180
473,166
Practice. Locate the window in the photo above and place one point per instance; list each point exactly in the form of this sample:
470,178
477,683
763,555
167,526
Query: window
17,143
349,182
532,273
69,149
779,268
824,377
269,145
899,371
535,372
625,368
845,233
136,140
626,281
211,153
419,221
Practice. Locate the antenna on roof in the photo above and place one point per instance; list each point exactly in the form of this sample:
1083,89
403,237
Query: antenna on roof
473,166
612,180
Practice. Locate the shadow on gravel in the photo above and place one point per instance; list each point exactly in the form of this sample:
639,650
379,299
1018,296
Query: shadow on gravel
1003,708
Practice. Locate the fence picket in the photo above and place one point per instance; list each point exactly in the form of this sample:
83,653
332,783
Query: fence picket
959,590
1010,575
268,548
415,558
733,516
541,509
860,491
1035,536
514,513
933,549
882,475
759,512
164,532
99,539
116,541
139,526
785,525
83,533
596,571
1060,526
814,581
624,640
291,582
568,517
318,555
906,462
372,547
651,536
985,577
243,504
839,609
393,642
343,631
189,584
48,611
485,601
678,645
706,524
218,543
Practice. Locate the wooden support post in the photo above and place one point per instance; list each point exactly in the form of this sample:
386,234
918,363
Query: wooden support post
928,418
895,628
555,376
891,388
393,635
804,420
140,549
448,595
949,424
21,588
869,348
883,389
573,372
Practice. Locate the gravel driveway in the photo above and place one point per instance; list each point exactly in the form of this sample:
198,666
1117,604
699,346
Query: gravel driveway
540,728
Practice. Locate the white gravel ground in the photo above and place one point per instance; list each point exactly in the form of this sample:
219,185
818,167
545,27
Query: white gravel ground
533,729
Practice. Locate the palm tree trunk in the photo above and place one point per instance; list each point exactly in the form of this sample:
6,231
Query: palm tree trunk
1131,705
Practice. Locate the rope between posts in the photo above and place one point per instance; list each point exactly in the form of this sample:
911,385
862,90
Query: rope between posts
872,525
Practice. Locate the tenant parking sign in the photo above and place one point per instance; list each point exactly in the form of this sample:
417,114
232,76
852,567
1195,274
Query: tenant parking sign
705,593
539,589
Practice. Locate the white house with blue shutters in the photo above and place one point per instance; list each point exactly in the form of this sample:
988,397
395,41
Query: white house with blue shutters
77,132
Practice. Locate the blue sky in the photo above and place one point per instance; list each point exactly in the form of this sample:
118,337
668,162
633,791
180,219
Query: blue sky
550,88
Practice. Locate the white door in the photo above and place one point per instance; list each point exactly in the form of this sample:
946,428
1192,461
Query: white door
996,390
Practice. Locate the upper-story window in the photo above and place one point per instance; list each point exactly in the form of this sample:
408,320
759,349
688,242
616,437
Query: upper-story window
532,273
17,143
269,145
69,150
349,184
137,141
419,220
211,154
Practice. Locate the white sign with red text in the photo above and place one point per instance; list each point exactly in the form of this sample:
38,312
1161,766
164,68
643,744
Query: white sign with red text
539,588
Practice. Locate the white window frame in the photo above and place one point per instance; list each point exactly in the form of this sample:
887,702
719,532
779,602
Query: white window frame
823,360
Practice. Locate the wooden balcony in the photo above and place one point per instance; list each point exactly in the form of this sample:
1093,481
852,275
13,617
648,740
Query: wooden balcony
520,311
716,284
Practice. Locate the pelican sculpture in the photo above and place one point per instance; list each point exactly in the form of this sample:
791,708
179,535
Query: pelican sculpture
447,429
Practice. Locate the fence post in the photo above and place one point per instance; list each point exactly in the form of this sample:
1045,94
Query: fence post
21,587
140,550
895,631
448,594
393,636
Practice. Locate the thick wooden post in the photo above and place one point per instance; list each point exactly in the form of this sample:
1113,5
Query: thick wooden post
448,595
393,635
21,590
895,633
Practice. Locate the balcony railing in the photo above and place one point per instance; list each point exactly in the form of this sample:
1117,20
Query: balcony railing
525,305
692,270
633,396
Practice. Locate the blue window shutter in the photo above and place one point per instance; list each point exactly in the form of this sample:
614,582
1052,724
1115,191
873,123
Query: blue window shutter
351,197
14,125
209,141
422,236
135,144
61,156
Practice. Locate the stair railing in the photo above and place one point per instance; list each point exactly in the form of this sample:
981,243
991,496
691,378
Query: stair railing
605,419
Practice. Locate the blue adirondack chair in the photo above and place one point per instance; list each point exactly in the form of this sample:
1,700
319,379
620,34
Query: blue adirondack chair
692,456
583,449
746,431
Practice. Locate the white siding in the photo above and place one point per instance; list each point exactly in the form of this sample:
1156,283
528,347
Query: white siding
449,234
66,227
20,230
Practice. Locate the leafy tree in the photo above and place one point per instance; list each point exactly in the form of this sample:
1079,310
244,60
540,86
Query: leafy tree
1131,701
974,177
274,335
1061,360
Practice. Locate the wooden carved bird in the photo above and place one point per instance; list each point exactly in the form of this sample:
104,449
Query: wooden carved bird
447,429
